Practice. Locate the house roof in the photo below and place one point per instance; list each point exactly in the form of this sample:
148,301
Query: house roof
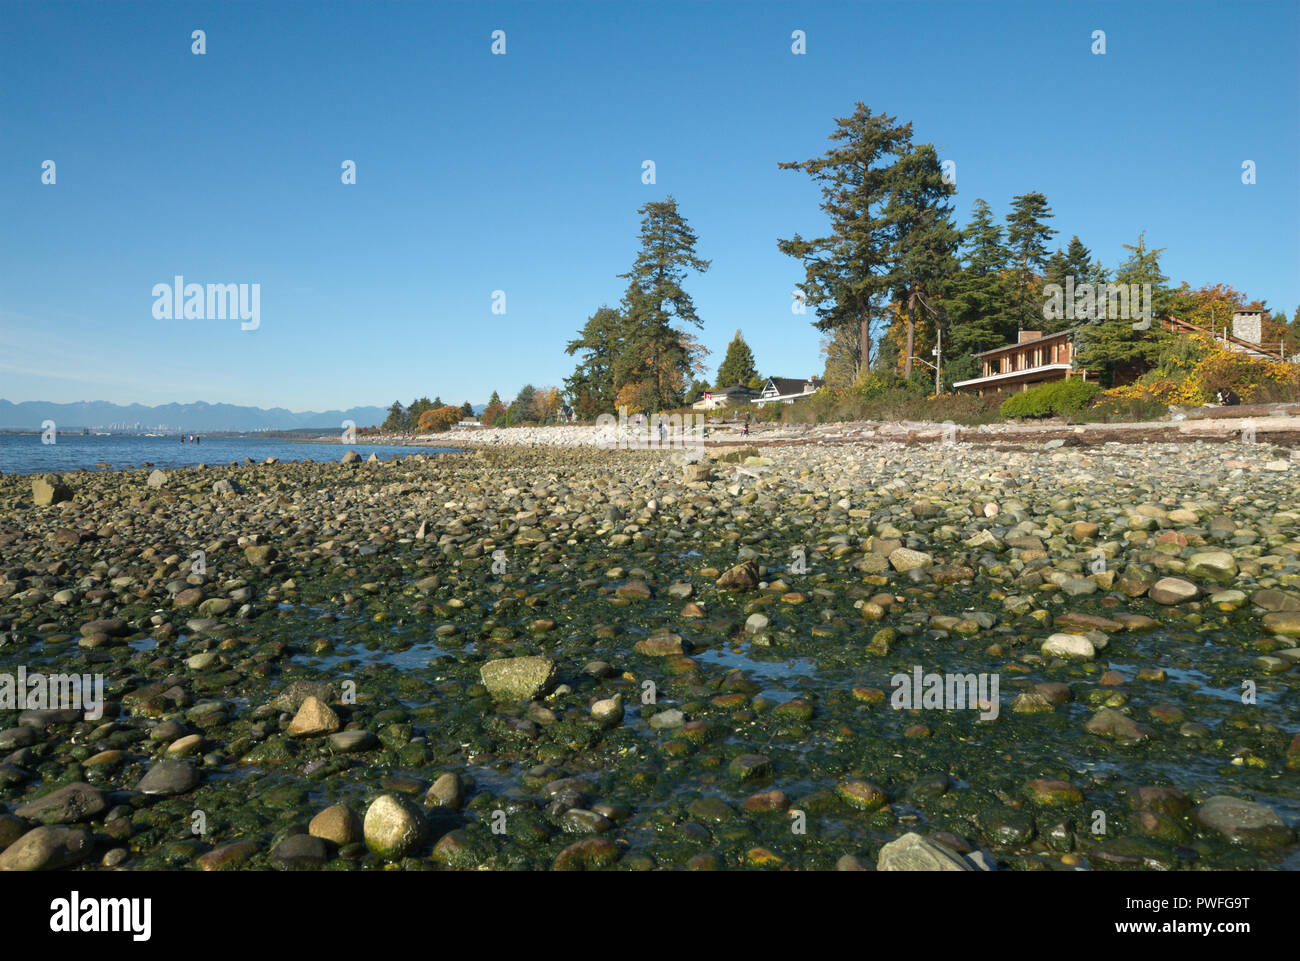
734,389
1027,343
793,385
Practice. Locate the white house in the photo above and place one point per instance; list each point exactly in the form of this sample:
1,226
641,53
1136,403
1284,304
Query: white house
713,399
786,390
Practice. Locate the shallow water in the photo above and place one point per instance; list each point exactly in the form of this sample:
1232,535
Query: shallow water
25,454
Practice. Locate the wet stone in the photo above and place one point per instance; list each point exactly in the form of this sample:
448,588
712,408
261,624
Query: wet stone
47,848
168,778
69,804
1244,822
912,852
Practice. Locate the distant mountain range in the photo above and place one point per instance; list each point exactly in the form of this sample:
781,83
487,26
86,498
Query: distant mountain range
178,417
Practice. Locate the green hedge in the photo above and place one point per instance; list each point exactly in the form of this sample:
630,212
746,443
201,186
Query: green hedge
1060,397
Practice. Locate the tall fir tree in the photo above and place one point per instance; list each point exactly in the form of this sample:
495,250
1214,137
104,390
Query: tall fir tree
1027,239
656,353
978,303
738,366
847,272
924,239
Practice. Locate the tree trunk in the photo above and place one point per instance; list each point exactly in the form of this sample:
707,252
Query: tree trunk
911,336
864,347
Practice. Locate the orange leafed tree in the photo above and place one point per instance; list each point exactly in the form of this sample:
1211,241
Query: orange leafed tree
546,402
439,419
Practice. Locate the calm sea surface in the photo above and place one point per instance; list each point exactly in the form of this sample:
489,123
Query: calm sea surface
25,454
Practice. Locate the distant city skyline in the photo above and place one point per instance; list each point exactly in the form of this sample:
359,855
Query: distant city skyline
512,179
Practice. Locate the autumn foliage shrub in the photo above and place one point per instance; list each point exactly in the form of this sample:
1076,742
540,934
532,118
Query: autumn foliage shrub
439,419
1196,368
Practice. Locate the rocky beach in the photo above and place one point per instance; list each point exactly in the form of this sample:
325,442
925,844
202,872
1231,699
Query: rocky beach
540,654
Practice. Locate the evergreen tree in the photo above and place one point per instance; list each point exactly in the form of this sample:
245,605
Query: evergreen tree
494,399
924,238
1076,261
738,366
522,408
979,299
657,353
418,407
1115,345
847,271
396,421
467,409
591,386
1027,238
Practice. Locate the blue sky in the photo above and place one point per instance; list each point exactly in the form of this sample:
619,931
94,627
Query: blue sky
522,172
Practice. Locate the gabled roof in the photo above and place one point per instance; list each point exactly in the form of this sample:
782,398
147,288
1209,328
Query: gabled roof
793,385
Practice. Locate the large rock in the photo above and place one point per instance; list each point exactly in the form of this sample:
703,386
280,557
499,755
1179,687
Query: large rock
912,852
259,555
351,457
66,805
609,710
300,852
392,827
1219,566
157,479
1285,623
1108,722
227,857
46,849
1074,646
1244,822
904,560
112,626
1173,590
517,678
292,697
49,489
446,792
313,719
337,823
169,777
662,645
697,473
742,577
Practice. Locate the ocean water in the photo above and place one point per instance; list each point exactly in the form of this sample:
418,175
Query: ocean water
25,454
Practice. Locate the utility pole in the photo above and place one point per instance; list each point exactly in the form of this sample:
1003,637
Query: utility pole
938,358
936,351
